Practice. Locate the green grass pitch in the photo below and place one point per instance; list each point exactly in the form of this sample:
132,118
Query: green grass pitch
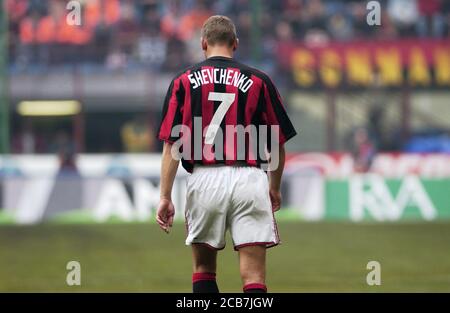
314,257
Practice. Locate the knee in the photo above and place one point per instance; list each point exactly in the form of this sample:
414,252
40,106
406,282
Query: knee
204,259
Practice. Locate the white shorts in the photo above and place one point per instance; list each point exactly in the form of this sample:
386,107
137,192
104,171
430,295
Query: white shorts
219,198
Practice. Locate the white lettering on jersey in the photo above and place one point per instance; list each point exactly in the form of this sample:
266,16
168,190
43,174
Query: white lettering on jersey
223,76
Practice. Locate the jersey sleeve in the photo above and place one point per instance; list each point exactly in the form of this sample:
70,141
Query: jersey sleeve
275,113
172,111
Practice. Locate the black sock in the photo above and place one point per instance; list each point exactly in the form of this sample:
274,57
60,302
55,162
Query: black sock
255,288
204,283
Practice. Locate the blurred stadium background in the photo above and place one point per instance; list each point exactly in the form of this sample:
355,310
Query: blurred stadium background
367,178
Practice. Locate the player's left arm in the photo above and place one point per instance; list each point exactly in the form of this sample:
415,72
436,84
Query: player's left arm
276,115
166,209
275,181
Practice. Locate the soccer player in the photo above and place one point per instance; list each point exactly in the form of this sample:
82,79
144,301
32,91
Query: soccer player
219,115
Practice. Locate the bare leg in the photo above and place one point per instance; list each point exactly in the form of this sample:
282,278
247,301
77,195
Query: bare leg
204,267
204,259
252,262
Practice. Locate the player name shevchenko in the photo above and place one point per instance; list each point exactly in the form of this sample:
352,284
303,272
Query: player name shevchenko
220,76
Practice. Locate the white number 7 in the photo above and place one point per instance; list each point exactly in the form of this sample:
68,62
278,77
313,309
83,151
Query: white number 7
227,100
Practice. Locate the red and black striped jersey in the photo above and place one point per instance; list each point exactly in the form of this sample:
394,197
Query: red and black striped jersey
222,111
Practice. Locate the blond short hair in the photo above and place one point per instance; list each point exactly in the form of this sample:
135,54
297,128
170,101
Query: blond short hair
219,29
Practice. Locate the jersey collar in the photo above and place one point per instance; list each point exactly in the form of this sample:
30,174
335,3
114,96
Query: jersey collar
220,58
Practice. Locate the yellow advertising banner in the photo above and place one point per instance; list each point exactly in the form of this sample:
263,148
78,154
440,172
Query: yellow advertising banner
415,63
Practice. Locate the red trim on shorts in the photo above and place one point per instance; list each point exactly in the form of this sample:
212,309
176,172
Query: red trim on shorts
186,225
268,244
277,235
203,276
207,245
255,286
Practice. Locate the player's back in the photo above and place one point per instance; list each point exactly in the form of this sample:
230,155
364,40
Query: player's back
222,109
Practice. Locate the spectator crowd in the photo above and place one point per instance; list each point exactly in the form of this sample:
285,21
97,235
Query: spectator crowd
162,35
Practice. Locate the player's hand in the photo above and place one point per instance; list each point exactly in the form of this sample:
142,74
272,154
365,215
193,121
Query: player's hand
275,198
164,215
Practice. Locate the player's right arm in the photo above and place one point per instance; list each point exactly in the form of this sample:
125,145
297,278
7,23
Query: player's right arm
171,117
166,209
